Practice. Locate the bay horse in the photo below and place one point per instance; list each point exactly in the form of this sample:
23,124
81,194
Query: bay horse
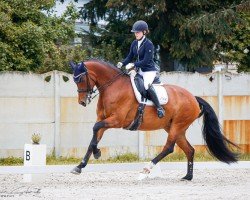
117,107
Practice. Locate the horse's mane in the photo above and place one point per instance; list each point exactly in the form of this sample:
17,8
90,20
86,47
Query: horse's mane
106,63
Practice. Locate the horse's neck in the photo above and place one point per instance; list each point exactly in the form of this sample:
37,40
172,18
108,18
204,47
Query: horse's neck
103,74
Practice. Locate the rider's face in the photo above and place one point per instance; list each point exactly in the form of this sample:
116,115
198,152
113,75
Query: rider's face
138,35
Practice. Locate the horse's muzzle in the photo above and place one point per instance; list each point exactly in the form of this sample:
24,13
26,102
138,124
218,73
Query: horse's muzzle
82,103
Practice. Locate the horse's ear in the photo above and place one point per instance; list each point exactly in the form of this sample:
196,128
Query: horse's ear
72,65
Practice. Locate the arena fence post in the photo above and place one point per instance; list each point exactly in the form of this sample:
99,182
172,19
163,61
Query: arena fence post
57,115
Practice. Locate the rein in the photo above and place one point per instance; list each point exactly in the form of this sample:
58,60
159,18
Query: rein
102,87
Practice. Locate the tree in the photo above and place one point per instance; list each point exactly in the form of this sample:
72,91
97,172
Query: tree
30,36
236,48
185,30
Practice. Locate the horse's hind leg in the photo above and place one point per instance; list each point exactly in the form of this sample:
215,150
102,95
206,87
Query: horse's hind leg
168,148
189,151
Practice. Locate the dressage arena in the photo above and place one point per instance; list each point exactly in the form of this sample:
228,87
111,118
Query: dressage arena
212,180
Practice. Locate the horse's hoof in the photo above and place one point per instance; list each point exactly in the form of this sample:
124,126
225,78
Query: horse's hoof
76,171
98,154
188,177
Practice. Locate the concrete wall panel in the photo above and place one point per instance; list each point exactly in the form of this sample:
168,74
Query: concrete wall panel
27,110
19,84
237,107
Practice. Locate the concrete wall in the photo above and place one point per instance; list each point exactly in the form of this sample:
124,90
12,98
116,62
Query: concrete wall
29,104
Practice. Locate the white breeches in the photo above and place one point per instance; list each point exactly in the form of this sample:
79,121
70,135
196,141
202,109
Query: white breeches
148,77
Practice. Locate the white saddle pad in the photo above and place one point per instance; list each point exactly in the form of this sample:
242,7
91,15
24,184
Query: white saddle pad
160,91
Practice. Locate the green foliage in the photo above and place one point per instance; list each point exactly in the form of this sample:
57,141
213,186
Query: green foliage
11,161
128,157
107,52
236,48
52,160
181,157
58,58
185,30
29,34
63,54
33,39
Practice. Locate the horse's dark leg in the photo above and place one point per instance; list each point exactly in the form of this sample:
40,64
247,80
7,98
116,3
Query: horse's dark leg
189,151
168,148
98,131
95,139
97,135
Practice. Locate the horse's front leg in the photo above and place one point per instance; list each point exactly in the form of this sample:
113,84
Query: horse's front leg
98,131
92,148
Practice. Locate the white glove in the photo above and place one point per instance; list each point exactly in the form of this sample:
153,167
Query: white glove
130,66
119,65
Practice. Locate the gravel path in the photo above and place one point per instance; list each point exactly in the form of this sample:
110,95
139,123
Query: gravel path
207,184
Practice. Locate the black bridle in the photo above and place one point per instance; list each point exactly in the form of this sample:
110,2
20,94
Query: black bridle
88,90
79,78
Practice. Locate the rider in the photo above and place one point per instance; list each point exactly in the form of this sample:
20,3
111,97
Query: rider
143,49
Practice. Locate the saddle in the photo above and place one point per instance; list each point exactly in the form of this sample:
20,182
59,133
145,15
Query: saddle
143,97
139,82
141,93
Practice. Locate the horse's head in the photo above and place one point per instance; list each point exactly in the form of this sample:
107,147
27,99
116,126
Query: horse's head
83,81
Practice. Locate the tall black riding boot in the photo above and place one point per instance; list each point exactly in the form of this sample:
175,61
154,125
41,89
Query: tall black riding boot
154,98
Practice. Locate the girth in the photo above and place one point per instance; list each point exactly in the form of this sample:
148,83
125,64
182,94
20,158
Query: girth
136,123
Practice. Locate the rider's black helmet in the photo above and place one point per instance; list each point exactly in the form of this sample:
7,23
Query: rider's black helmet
139,26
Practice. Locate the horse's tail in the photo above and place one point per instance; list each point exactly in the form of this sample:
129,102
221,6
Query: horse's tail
216,142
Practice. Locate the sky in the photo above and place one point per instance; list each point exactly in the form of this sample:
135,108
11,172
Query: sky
61,7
